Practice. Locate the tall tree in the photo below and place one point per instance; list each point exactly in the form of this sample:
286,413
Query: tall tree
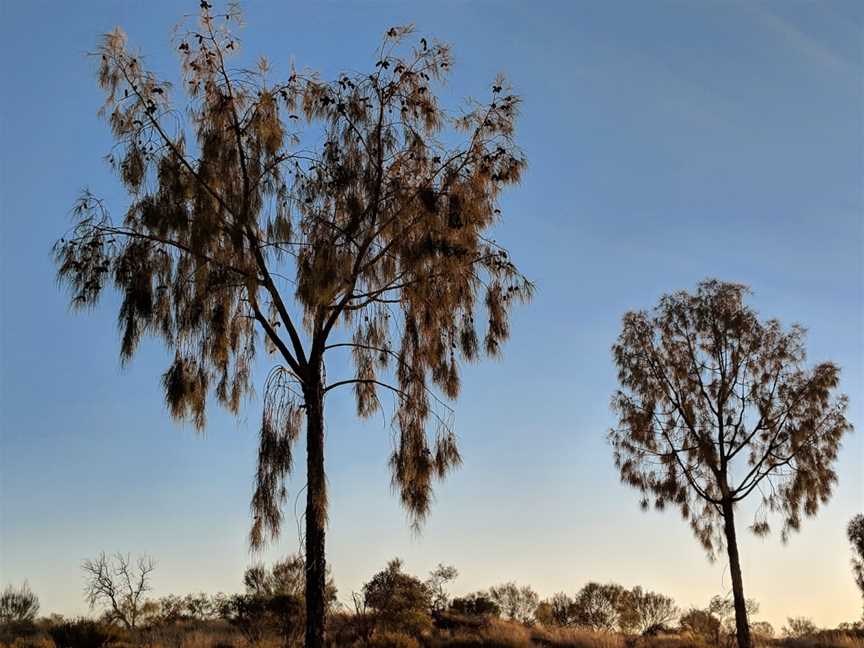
715,405
855,533
371,240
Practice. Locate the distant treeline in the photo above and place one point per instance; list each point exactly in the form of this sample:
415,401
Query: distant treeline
393,609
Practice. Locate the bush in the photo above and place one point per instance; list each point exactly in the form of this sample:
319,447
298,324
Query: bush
477,604
799,627
83,633
35,641
399,601
18,604
657,629
517,603
701,623
9,632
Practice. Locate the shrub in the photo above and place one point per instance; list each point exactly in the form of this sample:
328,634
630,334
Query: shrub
701,623
35,641
598,606
9,632
83,633
18,604
799,627
400,602
517,603
477,604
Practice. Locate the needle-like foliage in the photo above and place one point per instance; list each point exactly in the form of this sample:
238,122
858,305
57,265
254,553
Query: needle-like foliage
717,405
372,237
855,533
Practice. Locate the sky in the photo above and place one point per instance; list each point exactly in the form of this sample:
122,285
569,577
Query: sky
667,142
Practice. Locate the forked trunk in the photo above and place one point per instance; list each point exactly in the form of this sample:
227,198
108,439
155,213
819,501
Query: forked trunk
742,626
316,513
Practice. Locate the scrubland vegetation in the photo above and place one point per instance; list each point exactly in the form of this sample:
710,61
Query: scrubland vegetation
394,609
300,220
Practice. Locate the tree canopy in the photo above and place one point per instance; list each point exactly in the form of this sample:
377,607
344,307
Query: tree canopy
381,227
350,216
717,405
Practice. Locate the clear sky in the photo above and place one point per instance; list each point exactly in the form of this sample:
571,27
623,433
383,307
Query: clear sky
668,141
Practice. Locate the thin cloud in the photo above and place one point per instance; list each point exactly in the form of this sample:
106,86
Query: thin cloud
804,44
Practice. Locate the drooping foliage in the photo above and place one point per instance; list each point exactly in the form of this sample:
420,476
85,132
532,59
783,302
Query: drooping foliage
855,533
324,216
716,404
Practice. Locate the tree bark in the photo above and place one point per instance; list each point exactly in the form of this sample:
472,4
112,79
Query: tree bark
316,513
742,626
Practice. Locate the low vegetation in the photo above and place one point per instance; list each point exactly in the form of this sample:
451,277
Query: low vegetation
394,609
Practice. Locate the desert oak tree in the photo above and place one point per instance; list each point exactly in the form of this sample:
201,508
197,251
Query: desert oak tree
717,405
370,240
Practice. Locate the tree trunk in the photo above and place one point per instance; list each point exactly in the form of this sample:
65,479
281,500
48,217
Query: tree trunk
742,627
316,514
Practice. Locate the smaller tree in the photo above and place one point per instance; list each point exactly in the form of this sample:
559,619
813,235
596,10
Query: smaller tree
717,406
400,602
199,607
275,599
701,623
723,607
762,630
598,606
18,604
642,611
118,585
515,602
286,577
799,627
563,609
250,614
476,604
855,532
543,613
558,610
167,610
436,583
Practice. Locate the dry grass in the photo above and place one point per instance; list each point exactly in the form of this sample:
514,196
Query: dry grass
576,638
825,639
488,633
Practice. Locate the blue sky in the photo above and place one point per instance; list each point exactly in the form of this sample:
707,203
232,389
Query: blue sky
667,141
